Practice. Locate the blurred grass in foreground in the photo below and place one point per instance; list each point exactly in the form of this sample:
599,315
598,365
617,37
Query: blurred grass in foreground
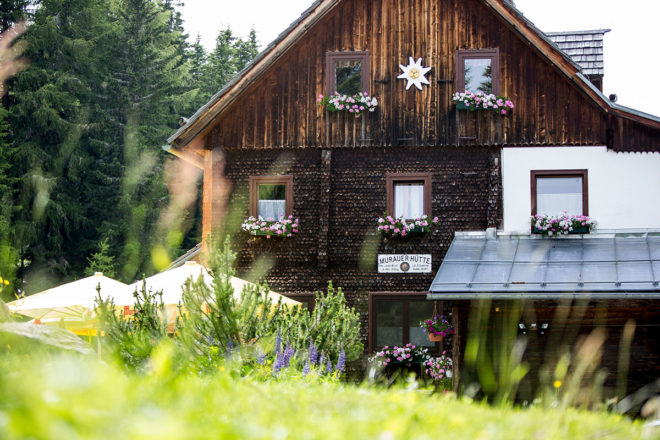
68,396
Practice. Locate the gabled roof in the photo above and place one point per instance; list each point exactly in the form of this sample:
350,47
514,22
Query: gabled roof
203,119
584,47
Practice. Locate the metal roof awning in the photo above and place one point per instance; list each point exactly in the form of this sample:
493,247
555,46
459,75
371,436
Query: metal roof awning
501,266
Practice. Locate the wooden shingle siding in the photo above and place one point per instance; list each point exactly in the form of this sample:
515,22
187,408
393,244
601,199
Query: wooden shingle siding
280,109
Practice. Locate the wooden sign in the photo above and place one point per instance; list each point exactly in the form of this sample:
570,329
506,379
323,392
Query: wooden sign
404,263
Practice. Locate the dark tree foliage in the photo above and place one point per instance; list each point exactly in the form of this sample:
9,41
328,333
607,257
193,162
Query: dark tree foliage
80,149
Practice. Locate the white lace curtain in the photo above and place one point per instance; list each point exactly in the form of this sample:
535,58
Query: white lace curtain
409,200
272,209
556,204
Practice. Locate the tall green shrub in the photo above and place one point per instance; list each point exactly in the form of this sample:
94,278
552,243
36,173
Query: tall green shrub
331,327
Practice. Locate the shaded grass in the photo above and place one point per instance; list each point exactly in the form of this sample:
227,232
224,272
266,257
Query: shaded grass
75,397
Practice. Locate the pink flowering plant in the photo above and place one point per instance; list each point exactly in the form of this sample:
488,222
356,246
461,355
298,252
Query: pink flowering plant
400,227
439,368
284,227
483,101
354,104
562,225
406,355
438,326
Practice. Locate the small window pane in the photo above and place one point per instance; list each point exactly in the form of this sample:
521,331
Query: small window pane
272,201
348,76
420,311
389,318
409,200
478,75
558,195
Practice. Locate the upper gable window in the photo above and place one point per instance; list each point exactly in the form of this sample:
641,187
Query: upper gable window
478,71
347,72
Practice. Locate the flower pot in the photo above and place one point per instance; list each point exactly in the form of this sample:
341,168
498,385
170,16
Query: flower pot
435,338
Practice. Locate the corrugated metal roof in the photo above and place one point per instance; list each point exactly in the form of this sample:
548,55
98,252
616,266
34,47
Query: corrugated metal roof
603,265
584,47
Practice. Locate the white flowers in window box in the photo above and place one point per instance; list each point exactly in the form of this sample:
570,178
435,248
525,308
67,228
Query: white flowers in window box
562,225
400,227
269,227
354,104
482,101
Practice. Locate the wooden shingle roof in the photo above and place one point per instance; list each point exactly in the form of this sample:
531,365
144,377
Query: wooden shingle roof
584,47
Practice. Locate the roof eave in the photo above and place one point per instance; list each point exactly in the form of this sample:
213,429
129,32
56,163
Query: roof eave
203,118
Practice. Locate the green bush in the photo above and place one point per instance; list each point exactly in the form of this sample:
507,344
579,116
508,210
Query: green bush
332,327
133,338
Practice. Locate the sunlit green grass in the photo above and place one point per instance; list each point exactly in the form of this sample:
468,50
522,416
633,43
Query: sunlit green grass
67,397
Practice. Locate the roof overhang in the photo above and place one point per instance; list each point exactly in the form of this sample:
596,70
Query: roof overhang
613,265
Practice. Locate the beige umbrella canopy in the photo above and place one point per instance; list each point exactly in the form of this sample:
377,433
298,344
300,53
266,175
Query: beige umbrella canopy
72,305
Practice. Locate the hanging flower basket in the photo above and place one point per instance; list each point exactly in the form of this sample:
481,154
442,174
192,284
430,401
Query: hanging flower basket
389,226
481,101
437,328
353,104
562,225
271,228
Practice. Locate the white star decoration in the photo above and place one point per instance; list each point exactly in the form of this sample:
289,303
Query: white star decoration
414,73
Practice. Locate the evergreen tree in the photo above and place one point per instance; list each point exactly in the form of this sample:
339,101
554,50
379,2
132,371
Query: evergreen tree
147,70
101,261
54,120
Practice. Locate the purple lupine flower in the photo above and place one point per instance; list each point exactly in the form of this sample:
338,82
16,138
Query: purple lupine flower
278,342
288,352
328,368
313,353
322,359
341,363
230,347
261,359
306,369
279,363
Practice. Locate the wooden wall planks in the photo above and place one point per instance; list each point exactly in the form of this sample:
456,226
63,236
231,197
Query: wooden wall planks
280,109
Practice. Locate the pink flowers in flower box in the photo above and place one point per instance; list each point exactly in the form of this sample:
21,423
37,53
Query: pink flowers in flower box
400,227
284,227
562,225
483,101
355,104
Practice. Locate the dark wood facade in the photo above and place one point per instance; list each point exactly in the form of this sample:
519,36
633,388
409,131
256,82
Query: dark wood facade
269,124
280,109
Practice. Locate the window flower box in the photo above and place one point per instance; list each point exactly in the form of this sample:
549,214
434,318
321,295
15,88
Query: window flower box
481,101
271,228
562,225
353,104
389,226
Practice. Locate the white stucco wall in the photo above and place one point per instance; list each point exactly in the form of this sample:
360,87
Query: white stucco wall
624,188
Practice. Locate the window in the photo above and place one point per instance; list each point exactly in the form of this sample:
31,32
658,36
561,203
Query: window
478,70
394,320
347,72
409,195
271,196
559,191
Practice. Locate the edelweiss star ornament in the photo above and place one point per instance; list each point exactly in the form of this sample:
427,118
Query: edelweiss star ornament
414,73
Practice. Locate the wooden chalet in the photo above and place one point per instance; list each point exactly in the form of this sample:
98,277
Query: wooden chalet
267,147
